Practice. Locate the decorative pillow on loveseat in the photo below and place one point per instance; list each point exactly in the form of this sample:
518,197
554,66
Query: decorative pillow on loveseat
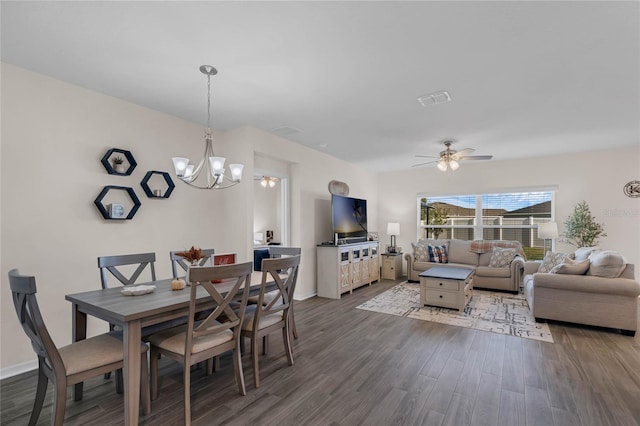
502,257
571,267
420,252
438,254
552,259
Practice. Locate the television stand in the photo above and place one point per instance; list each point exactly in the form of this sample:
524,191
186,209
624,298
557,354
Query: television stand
343,268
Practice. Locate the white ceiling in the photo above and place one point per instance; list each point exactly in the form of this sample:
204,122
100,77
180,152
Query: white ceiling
526,78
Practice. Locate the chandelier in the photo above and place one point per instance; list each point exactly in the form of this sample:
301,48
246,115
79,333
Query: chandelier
210,166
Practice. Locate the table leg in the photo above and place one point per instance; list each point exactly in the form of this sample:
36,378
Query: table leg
131,339
79,332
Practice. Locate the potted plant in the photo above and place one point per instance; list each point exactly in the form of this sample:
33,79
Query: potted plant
581,228
118,164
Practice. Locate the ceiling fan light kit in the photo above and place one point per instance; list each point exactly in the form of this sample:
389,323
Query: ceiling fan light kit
449,158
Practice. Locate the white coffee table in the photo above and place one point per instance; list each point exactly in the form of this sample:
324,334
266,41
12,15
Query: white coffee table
446,287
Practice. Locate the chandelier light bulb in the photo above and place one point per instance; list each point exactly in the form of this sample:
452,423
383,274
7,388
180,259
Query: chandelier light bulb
442,165
454,165
263,182
272,183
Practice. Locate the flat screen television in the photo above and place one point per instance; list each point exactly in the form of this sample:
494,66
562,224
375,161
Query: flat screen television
349,218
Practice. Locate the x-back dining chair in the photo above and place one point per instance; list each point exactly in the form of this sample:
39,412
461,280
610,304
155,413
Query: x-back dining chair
180,261
266,317
278,252
70,364
110,264
219,332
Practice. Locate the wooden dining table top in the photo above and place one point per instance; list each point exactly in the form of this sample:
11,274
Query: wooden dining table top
111,303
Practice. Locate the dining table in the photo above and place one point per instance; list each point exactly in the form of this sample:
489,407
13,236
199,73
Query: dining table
134,312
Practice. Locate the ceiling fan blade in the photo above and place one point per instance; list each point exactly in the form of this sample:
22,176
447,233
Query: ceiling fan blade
477,157
422,164
426,156
464,152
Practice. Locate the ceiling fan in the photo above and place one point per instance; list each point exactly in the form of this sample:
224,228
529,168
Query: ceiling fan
449,158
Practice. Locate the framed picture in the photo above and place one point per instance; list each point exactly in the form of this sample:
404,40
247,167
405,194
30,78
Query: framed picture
373,236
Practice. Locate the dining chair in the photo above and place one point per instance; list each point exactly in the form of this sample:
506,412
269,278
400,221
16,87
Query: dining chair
120,266
219,332
69,364
111,263
264,317
182,263
278,252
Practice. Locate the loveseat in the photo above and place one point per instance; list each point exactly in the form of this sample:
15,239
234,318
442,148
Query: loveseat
476,255
599,293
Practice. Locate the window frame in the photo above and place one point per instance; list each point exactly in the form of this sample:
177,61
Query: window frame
478,226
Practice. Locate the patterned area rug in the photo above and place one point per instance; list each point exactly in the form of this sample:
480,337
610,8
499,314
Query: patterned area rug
497,312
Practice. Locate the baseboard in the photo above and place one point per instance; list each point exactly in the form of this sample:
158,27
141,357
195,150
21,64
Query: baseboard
14,370
309,296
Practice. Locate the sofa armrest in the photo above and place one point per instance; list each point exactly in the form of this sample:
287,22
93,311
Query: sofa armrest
531,267
587,284
409,258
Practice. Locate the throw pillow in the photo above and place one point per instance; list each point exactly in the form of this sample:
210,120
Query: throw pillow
571,267
583,253
502,257
607,264
552,259
420,253
438,254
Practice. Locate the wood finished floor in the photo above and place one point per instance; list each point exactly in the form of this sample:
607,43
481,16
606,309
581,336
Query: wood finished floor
359,367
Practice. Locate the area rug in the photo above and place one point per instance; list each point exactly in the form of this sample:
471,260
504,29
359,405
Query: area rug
497,312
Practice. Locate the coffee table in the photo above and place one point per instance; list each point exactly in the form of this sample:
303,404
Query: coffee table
446,287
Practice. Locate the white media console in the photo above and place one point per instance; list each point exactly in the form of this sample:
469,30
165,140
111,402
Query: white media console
345,267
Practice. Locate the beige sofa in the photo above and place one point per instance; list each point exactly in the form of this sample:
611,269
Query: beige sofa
460,255
584,299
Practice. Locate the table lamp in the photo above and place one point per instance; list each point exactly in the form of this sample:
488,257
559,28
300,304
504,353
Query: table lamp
393,229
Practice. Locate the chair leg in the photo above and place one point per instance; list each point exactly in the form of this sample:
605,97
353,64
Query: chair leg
153,370
286,337
293,324
254,354
187,394
119,381
237,366
43,381
144,385
59,403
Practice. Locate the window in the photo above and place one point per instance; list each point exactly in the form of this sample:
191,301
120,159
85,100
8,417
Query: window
502,216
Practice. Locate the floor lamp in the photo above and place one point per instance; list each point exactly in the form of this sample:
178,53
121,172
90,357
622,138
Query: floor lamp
547,231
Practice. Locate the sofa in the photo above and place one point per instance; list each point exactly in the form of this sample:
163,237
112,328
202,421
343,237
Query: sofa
591,297
476,255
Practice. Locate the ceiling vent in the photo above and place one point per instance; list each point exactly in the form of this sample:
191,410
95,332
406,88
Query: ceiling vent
434,98
285,131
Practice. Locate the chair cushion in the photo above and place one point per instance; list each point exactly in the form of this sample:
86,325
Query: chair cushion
268,297
173,340
94,352
490,271
502,257
265,321
571,267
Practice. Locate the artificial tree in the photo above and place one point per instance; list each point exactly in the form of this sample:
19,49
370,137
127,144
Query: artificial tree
581,228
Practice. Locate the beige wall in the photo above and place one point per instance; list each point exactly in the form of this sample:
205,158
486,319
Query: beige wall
597,177
53,136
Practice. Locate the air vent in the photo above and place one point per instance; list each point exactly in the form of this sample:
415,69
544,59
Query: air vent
434,98
285,131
